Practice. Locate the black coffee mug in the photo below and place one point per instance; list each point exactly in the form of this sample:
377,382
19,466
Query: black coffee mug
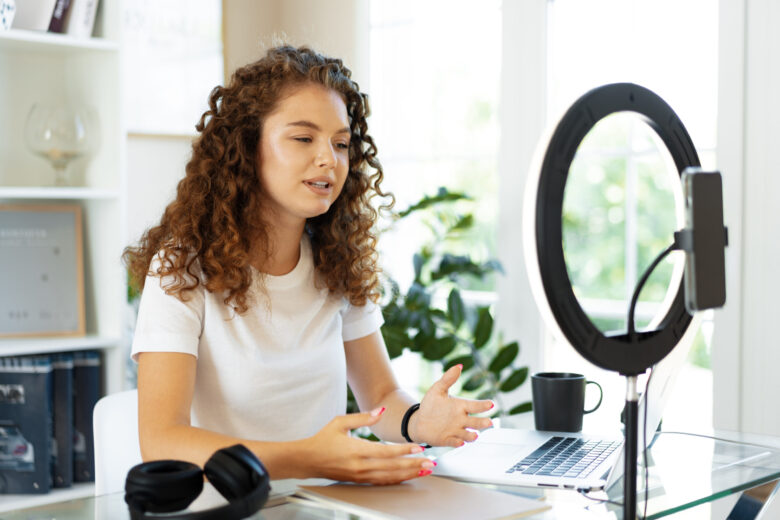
559,400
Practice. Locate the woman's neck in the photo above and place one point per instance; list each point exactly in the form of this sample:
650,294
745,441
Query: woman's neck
284,249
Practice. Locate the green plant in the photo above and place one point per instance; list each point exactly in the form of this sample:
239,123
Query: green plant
432,317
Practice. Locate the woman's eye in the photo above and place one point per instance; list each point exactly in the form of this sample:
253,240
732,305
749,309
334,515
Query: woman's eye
303,139
343,146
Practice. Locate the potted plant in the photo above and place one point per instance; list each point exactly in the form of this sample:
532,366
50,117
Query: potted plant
432,317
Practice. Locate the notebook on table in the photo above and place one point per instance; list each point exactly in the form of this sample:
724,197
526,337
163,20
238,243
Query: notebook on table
508,456
431,498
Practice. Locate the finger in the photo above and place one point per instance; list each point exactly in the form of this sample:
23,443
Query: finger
478,406
385,478
448,379
377,450
382,472
478,423
356,420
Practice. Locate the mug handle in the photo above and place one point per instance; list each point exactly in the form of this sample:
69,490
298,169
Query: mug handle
601,396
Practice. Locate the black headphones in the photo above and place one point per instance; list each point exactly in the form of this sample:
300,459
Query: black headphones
164,486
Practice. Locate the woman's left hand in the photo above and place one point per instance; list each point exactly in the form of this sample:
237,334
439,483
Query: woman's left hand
443,420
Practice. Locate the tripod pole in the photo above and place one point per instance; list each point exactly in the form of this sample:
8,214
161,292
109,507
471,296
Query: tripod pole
631,437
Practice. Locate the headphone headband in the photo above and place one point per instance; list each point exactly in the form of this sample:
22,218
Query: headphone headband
165,486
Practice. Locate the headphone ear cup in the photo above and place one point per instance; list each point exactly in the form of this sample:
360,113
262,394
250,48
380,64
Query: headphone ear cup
163,486
235,472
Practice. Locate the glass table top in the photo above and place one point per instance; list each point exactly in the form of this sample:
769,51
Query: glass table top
684,470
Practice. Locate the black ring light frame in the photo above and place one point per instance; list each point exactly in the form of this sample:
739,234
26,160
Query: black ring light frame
628,356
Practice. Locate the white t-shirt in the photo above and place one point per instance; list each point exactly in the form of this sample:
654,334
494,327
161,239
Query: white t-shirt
278,371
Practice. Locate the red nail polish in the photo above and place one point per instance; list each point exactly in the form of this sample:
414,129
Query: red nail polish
424,472
460,366
435,463
492,405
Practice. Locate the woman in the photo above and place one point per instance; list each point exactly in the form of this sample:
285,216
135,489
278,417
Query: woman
260,285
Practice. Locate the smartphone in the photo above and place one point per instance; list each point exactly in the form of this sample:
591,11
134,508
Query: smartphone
705,265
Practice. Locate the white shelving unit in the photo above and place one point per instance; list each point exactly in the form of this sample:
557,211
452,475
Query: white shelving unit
51,68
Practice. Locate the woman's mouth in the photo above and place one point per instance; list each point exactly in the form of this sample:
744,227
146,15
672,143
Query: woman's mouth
318,184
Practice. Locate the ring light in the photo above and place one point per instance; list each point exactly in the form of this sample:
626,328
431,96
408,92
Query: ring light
543,230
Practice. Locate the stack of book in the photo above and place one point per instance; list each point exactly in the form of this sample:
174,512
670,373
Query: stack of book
72,17
46,405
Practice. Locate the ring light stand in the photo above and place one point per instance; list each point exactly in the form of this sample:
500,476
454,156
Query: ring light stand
629,355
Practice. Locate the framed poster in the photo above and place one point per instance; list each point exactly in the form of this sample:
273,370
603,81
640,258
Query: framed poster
41,271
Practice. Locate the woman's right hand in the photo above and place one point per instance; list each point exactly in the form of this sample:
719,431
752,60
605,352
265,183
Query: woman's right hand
332,453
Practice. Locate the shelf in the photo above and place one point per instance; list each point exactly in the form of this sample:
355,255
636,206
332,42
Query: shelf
14,502
38,41
60,193
46,345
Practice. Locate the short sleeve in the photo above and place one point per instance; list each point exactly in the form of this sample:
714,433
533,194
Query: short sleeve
361,321
165,323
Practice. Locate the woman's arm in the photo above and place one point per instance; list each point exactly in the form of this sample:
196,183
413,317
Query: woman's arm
441,420
166,383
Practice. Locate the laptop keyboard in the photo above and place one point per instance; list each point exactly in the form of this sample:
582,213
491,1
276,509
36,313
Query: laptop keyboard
567,457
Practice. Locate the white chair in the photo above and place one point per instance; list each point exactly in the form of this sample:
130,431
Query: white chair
117,449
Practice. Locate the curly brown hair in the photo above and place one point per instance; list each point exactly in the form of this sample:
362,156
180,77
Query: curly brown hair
216,210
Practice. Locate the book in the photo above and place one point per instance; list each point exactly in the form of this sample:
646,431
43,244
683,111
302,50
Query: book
80,20
33,15
25,424
57,22
62,448
86,392
432,498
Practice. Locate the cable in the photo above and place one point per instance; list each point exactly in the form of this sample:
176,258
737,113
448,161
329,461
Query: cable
600,500
641,283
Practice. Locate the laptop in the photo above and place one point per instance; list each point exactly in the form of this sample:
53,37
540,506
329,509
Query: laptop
507,456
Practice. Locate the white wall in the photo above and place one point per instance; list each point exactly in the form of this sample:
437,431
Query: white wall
338,28
522,118
154,167
760,298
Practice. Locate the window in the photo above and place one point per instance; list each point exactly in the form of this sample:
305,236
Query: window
434,88
619,209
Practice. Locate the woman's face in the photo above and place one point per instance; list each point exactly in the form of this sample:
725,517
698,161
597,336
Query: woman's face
304,153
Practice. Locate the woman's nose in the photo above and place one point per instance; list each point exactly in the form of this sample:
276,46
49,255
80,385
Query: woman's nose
326,157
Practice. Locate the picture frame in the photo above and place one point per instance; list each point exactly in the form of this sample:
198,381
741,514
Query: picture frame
41,270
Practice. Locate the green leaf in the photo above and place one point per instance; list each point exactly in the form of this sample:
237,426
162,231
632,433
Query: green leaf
455,308
426,202
467,361
474,382
421,341
419,262
521,408
504,358
438,348
516,379
395,340
487,394
464,222
417,297
484,328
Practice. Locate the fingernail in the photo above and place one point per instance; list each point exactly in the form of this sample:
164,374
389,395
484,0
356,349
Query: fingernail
417,449
435,463
462,443
428,464
476,436
460,366
491,406
377,411
424,472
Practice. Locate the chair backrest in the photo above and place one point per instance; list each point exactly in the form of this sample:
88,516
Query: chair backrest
115,427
